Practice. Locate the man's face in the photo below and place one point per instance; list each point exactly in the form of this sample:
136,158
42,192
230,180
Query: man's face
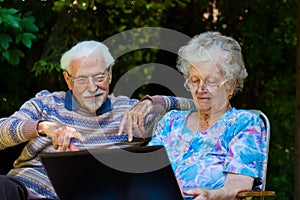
89,81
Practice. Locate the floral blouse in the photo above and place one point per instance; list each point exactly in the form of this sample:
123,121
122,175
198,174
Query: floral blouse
236,143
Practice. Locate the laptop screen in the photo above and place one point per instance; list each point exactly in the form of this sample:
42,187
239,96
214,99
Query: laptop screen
140,172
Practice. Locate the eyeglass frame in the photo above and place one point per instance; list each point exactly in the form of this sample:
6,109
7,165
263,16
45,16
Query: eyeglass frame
87,79
187,87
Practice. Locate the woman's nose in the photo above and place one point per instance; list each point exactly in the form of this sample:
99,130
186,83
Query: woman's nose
202,88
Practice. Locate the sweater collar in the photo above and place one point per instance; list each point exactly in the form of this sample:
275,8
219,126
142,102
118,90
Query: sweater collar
72,104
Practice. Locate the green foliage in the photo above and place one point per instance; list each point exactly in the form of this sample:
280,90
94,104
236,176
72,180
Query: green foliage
15,28
99,20
44,67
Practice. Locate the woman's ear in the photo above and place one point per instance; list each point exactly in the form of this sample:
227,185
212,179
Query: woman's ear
68,80
231,90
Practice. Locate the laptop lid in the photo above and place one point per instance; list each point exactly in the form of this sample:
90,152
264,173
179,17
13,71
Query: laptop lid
137,172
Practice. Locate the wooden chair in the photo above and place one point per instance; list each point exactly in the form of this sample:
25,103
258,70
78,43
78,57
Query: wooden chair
263,193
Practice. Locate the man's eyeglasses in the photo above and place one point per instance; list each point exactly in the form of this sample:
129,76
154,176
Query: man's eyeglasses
83,81
209,86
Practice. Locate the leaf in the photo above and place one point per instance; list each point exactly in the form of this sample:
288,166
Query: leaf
27,39
19,37
27,42
11,21
5,39
5,54
28,24
15,55
8,16
8,11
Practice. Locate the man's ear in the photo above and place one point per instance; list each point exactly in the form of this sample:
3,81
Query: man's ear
110,74
68,80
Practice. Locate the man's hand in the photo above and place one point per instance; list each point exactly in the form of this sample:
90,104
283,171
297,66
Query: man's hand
61,135
133,120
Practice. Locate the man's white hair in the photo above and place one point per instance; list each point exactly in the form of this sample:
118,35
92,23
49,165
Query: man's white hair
86,49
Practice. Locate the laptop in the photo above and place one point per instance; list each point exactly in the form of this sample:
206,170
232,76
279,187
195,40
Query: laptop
115,173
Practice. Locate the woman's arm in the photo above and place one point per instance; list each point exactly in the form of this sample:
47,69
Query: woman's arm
234,183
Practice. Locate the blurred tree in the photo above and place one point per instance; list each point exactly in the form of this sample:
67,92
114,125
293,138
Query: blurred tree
266,29
297,109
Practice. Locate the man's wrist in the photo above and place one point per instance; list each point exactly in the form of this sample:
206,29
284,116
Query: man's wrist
159,104
40,132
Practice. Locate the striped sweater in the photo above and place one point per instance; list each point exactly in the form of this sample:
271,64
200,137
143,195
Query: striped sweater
60,107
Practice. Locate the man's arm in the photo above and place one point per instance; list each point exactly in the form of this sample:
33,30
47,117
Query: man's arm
28,123
19,127
163,104
158,105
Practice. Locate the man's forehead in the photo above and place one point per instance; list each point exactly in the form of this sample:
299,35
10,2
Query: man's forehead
88,63
86,60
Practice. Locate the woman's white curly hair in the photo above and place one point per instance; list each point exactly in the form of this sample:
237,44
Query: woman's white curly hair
222,50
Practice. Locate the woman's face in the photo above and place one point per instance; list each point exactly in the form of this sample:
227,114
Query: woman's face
207,85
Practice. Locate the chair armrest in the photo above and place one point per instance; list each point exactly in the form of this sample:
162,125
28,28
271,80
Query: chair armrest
256,194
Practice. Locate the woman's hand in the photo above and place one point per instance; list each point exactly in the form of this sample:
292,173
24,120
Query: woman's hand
61,135
234,183
199,194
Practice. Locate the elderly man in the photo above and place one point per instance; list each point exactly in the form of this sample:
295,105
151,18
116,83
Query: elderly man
63,121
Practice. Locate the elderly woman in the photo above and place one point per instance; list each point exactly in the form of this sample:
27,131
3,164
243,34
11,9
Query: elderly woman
216,150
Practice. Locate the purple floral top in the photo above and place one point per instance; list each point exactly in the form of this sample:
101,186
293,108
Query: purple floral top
236,144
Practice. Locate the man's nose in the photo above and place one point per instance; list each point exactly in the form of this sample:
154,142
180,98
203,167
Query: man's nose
91,86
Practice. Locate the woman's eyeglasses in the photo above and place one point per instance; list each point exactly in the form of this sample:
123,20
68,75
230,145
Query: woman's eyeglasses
207,85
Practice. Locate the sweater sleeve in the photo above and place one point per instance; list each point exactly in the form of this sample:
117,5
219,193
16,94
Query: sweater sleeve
22,125
163,104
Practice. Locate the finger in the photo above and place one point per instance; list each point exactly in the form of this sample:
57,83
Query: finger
141,128
144,111
140,118
79,136
60,140
54,141
129,129
142,131
198,193
59,137
192,192
136,128
71,133
66,142
122,124
73,147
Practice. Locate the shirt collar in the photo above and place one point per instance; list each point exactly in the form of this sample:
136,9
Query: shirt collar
72,104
